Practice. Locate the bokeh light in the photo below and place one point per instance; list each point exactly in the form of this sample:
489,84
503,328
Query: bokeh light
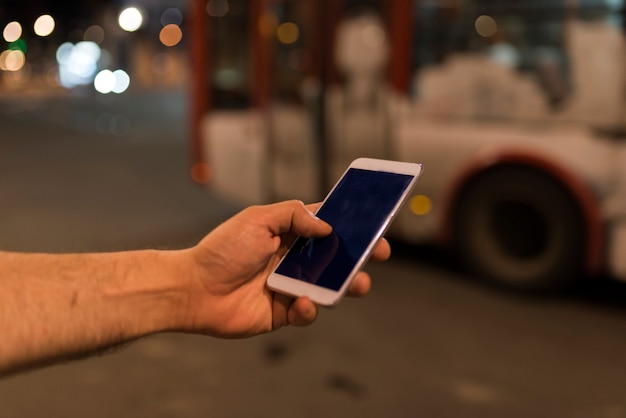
12,60
201,173
420,205
130,19
107,81
94,33
170,35
122,81
12,31
3,57
486,26
267,24
20,44
172,16
77,63
217,8
44,25
104,82
162,63
288,33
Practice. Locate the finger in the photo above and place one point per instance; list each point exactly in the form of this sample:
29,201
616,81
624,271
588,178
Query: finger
382,250
302,312
280,309
360,285
293,216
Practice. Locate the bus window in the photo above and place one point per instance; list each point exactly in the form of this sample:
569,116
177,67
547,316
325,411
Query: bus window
438,31
529,37
229,78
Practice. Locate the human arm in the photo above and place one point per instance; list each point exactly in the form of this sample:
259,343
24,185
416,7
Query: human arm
58,307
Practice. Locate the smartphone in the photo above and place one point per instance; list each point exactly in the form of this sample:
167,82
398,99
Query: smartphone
360,208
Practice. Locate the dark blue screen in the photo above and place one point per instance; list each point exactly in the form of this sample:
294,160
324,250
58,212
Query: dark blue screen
356,210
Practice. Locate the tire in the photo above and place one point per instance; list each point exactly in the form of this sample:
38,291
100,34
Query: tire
518,227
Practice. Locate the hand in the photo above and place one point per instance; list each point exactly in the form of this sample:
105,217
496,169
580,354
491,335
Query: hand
228,293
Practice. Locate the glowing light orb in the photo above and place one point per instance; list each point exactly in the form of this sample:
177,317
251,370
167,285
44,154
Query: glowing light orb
130,19
12,60
104,81
12,31
44,25
486,26
122,81
420,205
170,35
288,33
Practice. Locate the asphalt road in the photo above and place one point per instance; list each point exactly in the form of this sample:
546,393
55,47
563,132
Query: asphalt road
102,174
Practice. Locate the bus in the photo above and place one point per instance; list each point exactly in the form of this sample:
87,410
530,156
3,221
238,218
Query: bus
515,108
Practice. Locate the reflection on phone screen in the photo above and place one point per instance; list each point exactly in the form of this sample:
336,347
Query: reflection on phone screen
357,210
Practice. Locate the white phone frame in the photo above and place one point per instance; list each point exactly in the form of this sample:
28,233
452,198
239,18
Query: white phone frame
328,297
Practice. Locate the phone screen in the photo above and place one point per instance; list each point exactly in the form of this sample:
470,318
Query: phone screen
357,209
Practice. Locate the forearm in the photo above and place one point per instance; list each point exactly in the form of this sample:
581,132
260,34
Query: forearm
56,307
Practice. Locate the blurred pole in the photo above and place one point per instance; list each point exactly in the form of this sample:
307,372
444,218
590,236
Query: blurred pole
328,14
199,95
400,18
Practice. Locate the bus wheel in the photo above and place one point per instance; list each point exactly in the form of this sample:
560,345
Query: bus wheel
520,228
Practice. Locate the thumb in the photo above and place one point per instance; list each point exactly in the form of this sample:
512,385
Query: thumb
292,216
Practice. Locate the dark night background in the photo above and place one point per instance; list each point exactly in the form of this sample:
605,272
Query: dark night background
68,13
82,171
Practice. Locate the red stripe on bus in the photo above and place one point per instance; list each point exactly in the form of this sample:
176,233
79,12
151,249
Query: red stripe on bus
574,184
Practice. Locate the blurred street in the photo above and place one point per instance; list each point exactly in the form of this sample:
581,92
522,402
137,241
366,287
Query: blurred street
86,173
